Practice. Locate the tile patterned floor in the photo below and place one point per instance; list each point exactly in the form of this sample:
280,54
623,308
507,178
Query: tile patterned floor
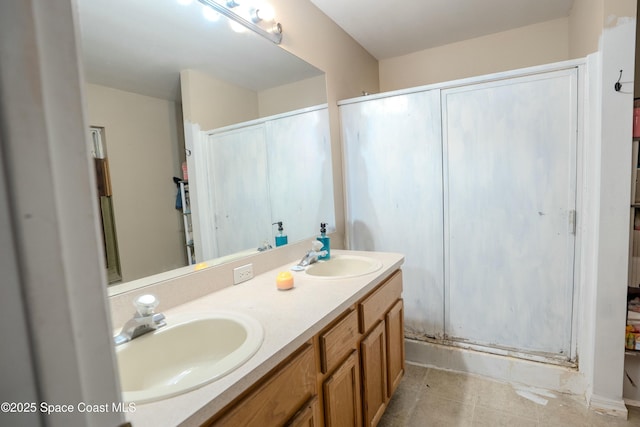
429,397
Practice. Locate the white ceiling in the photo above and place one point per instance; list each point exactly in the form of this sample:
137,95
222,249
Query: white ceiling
388,28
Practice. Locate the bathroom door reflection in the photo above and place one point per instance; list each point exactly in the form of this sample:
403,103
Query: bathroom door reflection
105,202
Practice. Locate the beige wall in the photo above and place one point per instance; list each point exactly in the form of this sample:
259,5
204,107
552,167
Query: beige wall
305,93
585,27
567,38
213,103
522,47
312,36
143,136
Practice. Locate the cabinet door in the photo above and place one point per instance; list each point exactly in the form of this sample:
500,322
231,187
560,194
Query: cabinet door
374,374
341,390
510,151
393,178
233,196
395,346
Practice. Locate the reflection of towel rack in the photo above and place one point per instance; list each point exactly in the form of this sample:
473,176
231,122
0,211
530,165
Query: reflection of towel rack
185,206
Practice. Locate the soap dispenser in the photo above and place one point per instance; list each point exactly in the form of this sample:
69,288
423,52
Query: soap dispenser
281,238
322,238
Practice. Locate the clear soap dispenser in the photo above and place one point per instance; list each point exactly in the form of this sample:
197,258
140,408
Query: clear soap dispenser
325,240
281,238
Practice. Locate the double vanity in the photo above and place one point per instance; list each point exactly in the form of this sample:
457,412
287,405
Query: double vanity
329,350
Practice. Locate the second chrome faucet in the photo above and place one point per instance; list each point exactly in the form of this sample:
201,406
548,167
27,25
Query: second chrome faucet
144,320
312,256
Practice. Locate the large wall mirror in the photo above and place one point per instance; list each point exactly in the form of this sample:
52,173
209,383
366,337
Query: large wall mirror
154,69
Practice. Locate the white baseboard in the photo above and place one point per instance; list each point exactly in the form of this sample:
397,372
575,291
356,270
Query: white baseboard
606,406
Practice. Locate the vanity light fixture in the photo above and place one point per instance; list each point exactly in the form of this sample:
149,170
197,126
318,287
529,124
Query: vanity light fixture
257,22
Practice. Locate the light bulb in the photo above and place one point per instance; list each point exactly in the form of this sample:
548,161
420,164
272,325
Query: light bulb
210,14
265,12
238,28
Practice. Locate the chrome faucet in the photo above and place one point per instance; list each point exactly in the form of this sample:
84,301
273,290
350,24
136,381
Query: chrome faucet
265,246
143,321
312,256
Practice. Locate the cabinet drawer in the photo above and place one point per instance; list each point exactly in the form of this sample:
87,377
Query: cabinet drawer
339,341
374,307
307,416
279,398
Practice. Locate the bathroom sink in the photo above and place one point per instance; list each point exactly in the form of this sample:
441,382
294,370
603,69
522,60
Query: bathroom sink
344,266
191,351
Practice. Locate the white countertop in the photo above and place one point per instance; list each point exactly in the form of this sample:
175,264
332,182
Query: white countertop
289,318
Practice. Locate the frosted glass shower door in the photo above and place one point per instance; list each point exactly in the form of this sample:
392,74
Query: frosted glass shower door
237,167
393,176
510,156
300,173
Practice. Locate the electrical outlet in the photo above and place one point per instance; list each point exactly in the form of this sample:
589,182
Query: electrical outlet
242,273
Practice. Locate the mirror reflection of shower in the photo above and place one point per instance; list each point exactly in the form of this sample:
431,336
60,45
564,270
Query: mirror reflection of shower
199,73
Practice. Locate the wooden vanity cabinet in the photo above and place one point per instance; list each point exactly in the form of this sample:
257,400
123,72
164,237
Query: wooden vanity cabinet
368,344
343,377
